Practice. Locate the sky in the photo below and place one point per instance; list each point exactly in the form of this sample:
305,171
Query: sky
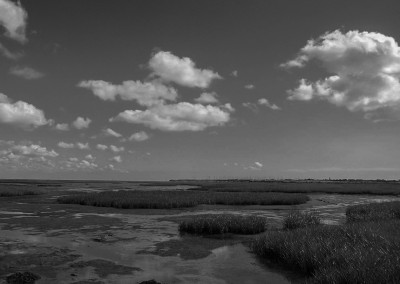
184,89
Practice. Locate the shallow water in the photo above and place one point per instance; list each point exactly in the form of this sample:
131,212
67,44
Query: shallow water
148,242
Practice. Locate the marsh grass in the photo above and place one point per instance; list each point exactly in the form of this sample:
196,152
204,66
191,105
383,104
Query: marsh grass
180,199
297,219
302,186
9,192
356,252
223,224
373,212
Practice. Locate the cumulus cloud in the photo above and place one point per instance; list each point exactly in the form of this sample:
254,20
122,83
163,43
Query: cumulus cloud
265,102
249,86
146,94
116,149
81,123
182,116
11,148
139,136
82,146
89,157
74,164
13,19
251,106
183,71
364,70
62,126
26,155
65,145
117,159
34,150
20,113
101,147
258,164
26,72
235,73
110,132
207,98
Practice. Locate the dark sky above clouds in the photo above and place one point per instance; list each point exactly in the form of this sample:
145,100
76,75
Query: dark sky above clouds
153,90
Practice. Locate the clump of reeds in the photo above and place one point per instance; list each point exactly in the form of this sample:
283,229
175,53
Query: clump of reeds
180,199
356,252
297,219
373,211
223,224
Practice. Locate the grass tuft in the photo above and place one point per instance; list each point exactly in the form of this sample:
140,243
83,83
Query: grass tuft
223,224
356,252
297,219
373,212
180,199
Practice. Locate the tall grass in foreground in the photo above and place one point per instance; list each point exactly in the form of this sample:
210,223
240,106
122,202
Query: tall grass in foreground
223,224
180,199
353,253
364,250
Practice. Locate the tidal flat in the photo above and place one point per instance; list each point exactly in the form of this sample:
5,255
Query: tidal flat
73,243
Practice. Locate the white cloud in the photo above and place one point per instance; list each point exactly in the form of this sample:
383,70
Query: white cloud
20,113
365,68
65,145
251,106
304,92
74,164
26,72
13,19
62,126
117,149
83,146
26,149
265,102
249,86
89,157
110,132
178,117
182,71
34,150
258,164
81,123
139,136
101,147
207,98
235,73
117,159
146,94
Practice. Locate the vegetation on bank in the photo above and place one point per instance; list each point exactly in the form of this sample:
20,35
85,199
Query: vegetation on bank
364,250
373,212
180,199
223,224
9,192
297,219
304,186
